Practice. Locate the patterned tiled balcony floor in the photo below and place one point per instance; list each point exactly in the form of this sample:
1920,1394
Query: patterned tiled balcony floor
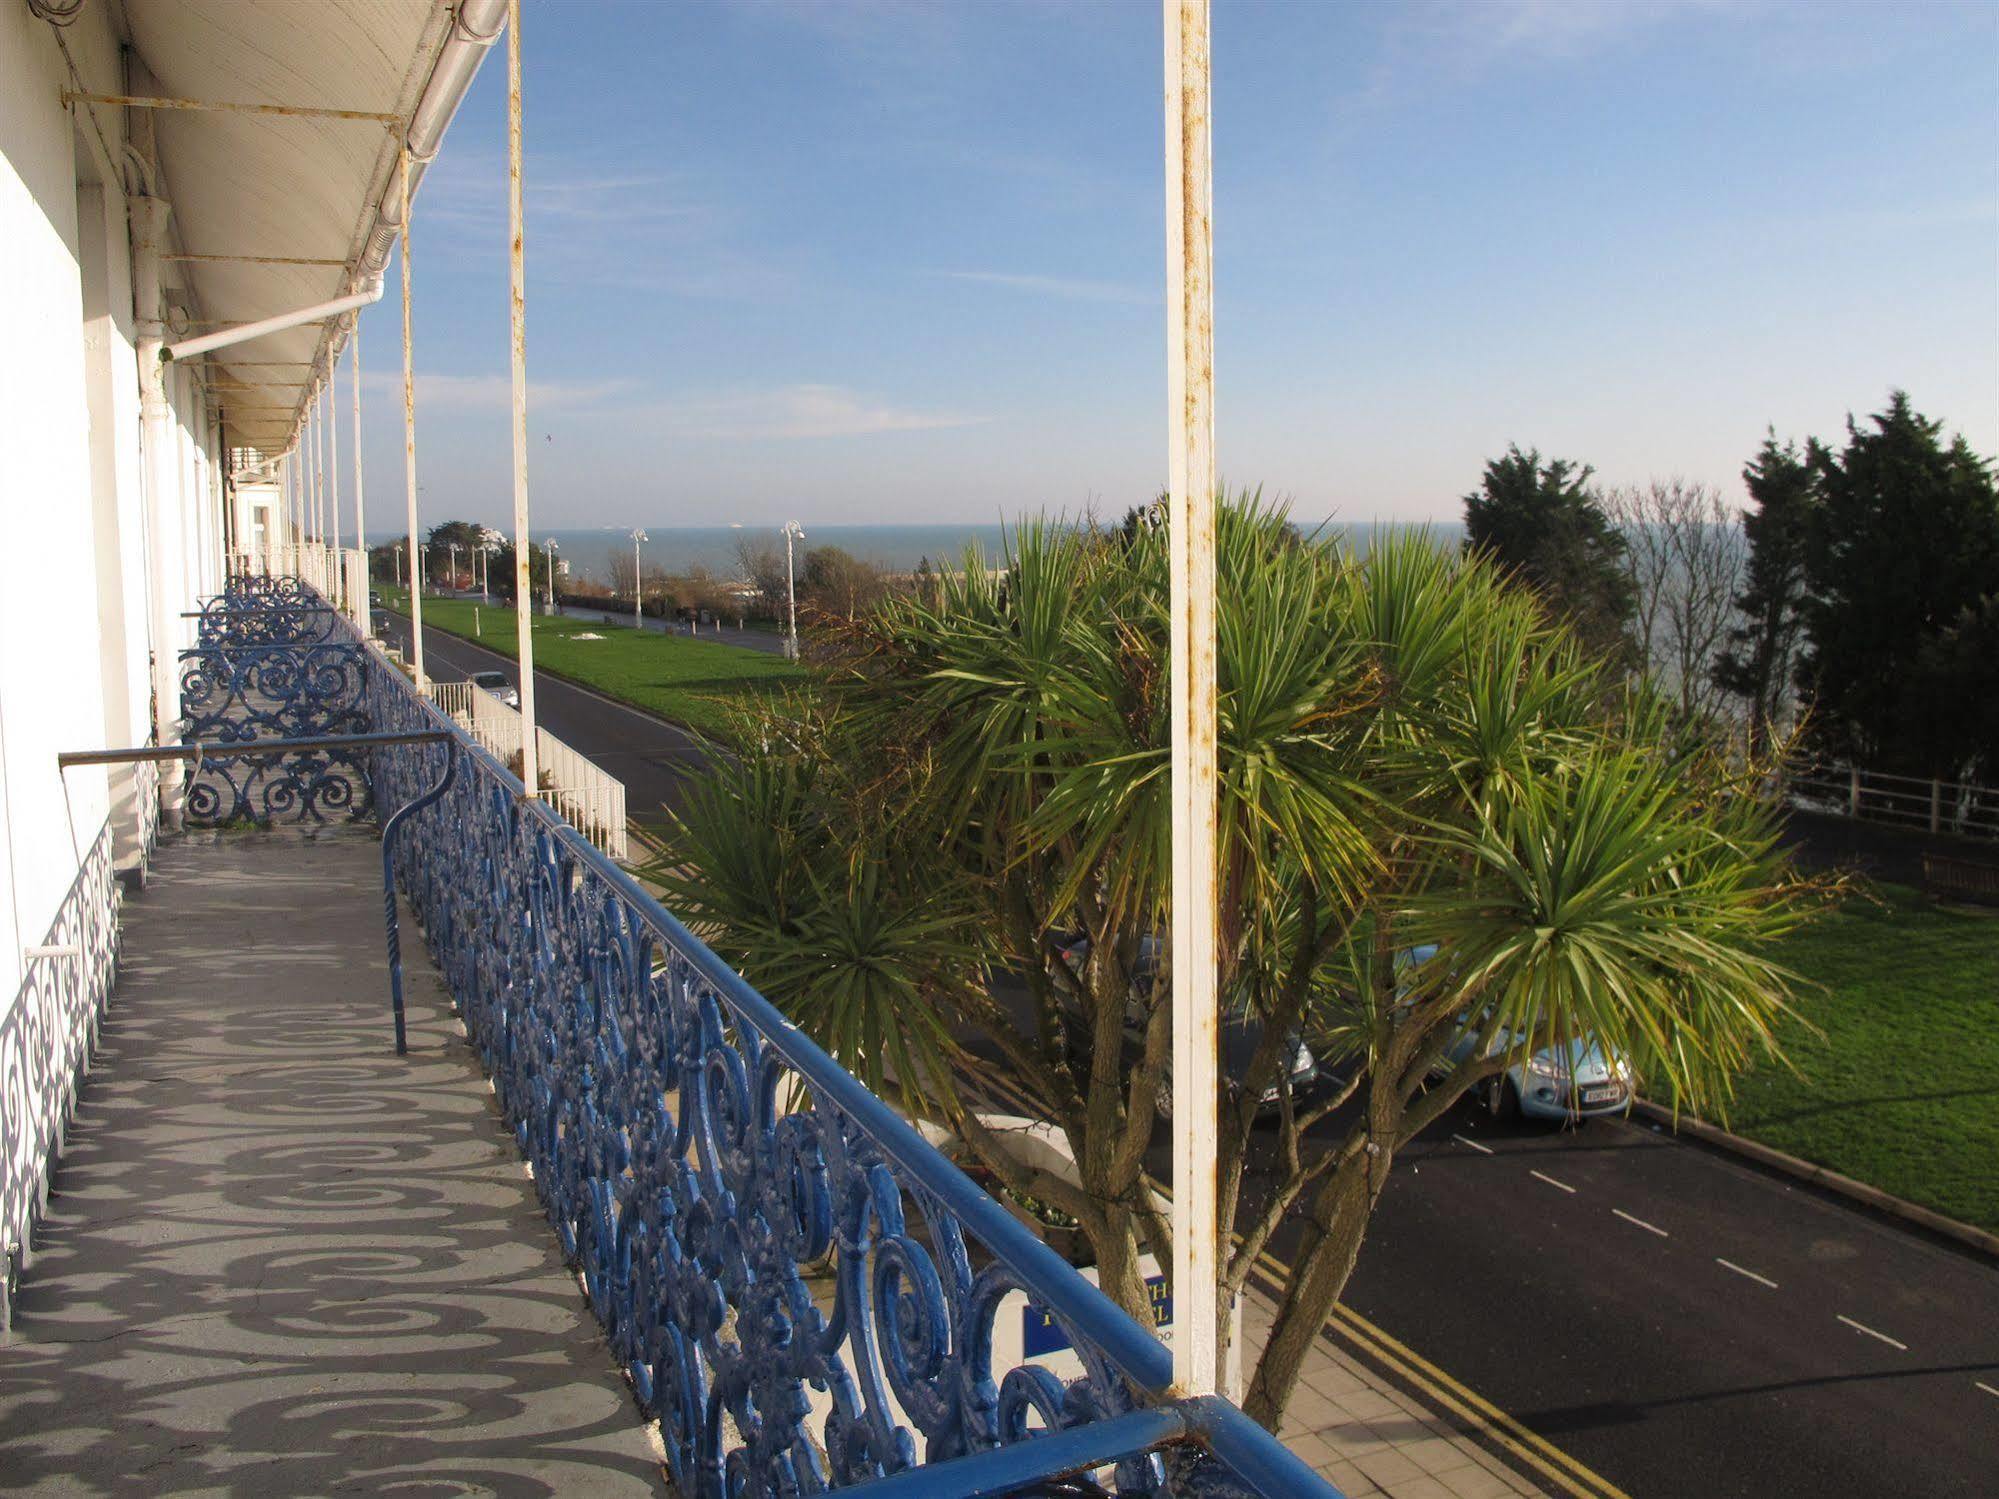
280,1258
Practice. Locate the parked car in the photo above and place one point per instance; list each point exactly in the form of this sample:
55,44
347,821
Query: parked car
1242,1033
496,683
375,596
1564,1084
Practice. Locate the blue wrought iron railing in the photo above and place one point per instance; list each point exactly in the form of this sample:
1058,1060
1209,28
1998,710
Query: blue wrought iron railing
272,660
801,1289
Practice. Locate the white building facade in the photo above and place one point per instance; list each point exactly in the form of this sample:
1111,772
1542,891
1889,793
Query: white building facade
260,176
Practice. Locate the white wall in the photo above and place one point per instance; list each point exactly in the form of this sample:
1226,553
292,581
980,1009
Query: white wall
78,617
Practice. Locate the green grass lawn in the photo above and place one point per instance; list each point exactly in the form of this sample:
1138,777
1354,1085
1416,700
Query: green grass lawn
1902,1088
694,682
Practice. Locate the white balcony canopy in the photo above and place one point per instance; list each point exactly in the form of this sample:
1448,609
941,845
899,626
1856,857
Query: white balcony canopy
250,189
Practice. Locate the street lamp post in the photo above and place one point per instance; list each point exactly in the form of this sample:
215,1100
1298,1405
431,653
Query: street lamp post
548,548
792,530
455,578
638,593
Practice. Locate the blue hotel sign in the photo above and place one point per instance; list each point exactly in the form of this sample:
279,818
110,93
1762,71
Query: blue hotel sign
1041,1333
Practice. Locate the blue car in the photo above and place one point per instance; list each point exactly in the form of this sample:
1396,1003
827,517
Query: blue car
1558,1083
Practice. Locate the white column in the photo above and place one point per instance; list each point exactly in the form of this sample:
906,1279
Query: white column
517,256
333,457
409,438
360,485
1191,460
149,229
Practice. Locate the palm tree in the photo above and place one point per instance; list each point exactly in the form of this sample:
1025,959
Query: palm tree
1411,756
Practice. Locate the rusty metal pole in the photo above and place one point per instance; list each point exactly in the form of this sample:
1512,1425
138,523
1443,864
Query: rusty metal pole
310,508
360,487
318,474
517,271
339,578
409,440
1191,458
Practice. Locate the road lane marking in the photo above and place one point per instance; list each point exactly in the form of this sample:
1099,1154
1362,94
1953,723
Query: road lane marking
1761,1280
1986,1388
1650,1228
1863,1327
1481,1149
1487,1421
1553,1183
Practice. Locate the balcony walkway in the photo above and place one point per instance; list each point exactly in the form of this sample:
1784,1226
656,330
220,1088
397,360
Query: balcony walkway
280,1258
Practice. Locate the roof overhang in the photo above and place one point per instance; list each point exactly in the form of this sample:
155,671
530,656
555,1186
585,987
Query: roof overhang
284,208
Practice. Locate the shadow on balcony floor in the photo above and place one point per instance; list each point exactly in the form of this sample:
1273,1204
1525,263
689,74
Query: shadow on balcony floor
280,1258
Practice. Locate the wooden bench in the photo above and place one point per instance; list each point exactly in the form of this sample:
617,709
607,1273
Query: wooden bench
1961,879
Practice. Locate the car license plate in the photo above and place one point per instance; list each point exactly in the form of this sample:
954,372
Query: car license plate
1601,1095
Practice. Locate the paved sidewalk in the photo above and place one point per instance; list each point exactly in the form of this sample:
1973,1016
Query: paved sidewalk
280,1259
1370,1439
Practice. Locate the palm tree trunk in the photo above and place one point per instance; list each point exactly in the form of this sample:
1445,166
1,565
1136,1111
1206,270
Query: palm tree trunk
1335,1225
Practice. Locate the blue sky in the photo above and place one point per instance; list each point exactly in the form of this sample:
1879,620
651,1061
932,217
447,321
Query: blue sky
903,262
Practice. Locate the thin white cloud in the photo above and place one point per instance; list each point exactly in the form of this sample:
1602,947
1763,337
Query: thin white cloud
793,412
1071,287
1430,44
493,392
667,232
1553,28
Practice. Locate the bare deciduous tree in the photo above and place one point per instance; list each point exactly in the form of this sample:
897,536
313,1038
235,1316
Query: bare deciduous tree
763,568
1685,555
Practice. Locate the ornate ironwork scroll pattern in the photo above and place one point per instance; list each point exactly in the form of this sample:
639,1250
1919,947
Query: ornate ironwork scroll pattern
266,611
46,1036
745,1241
241,692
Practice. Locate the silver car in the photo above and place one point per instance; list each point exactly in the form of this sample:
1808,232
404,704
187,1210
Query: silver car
496,683
1557,1083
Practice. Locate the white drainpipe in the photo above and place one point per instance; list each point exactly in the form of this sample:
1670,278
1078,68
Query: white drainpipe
188,347
475,26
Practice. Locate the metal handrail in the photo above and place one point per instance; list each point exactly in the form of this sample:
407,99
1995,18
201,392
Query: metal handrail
206,749
198,751
1252,1456
1142,1356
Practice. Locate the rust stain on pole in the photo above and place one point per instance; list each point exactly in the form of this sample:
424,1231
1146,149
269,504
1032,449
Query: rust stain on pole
517,310
360,487
409,435
1197,1235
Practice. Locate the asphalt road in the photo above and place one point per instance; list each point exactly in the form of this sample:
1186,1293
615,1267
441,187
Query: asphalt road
650,756
1878,851
1683,1323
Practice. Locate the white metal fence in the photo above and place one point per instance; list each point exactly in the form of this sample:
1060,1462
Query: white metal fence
591,801
1961,807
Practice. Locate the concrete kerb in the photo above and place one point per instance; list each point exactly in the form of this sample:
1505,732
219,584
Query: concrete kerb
1872,1198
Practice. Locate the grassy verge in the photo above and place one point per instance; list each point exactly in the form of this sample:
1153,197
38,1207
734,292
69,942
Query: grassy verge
694,682
1901,1089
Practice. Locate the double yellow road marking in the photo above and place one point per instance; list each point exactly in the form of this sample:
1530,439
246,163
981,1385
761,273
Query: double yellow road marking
1562,1472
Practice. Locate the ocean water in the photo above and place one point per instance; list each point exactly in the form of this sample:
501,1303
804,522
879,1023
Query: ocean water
896,548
